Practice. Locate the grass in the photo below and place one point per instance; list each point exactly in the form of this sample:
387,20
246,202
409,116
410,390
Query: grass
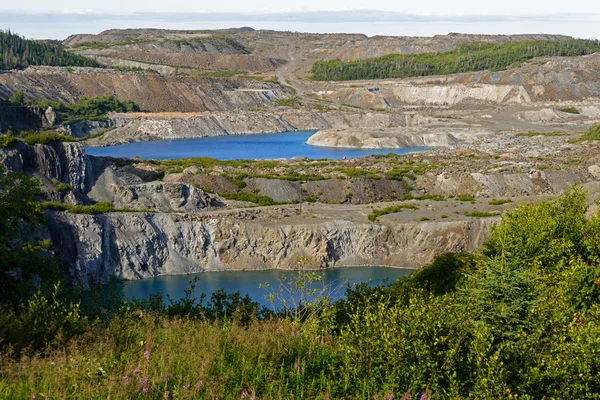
481,214
286,102
98,208
499,202
465,197
391,210
534,133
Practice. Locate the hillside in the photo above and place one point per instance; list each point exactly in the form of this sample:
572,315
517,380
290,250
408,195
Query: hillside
466,58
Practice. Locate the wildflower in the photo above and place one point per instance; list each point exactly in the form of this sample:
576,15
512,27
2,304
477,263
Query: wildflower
34,395
125,378
293,333
166,378
147,355
165,395
136,370
199,384
309,352
317,337
244,394
278,330
252,397
145,390
322,341
184,387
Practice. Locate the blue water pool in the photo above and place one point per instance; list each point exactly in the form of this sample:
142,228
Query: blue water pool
233,147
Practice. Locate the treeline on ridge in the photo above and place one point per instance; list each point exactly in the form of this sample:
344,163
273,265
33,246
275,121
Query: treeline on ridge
469,57
17,52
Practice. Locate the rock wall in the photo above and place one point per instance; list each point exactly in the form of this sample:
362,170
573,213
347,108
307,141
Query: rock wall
153,92
21,118
140,245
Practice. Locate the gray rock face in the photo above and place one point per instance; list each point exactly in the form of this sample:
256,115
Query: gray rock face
82,129
380,139
160,196
140,245
279,190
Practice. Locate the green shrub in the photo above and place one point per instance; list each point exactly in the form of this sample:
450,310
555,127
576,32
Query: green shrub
250,197
570,110
391,210
7,140
17,99
481,214
33,137
465,197
591,134
499,202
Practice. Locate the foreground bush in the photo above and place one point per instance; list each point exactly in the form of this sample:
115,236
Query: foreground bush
518,320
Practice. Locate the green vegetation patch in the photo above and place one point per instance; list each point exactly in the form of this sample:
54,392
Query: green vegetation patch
466,58
534,133
570,110
94,209
8,140
286,102
499,202
481,214
89,109
591,134
17,52
391,210
33,137
251,198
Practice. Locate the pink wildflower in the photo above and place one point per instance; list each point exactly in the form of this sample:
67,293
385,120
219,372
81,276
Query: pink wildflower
147,355
136,370
199,384
244,394
34,395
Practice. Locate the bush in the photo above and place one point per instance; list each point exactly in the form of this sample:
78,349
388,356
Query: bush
591,134
17,99
391,210
33,137
7,140
570,110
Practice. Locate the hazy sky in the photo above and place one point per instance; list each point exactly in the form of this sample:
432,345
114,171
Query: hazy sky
58,19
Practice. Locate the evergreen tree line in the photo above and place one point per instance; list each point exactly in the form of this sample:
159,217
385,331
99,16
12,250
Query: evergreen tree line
470,57
17,52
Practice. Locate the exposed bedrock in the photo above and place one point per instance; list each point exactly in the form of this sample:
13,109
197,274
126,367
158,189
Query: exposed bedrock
96,179
140,245
380,139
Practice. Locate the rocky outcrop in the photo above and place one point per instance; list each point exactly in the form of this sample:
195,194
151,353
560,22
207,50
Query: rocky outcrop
380,139
22,118
93,179
151,91
139,245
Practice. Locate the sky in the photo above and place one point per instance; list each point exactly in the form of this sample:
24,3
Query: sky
41,19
